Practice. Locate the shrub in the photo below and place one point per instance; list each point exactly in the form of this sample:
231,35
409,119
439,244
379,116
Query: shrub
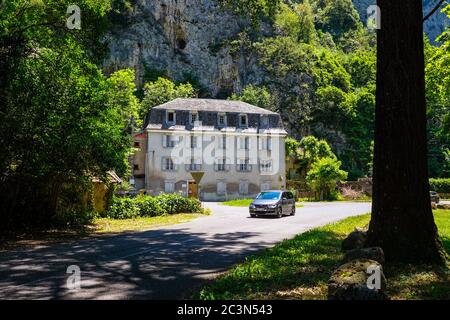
123,208
175,203
323,177
440,185
148,206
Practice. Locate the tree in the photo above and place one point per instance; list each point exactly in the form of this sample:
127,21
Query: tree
323,176
402,221
161,91
258,96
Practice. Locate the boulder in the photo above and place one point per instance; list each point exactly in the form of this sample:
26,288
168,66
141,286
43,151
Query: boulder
353,280
433,205
373,253
354,240
443,206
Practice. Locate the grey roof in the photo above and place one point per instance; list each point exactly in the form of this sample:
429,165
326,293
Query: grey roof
213,105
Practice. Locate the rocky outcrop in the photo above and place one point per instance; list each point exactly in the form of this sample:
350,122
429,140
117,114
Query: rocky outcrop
353,281
433,27
192,40
186,39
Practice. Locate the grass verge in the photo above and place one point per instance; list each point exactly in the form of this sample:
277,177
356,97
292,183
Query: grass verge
300,268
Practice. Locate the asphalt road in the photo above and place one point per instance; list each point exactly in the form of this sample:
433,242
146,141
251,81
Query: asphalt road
167,263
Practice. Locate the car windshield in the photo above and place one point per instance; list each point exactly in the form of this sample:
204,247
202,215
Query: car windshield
269,196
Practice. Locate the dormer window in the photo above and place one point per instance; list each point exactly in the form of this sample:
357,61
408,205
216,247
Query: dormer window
170,117
264,121
221,119
243,121
193,117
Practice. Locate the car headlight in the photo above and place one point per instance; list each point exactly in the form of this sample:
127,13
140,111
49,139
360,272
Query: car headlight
272,206
252,206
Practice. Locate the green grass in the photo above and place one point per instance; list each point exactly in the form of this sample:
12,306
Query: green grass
300,268
245,203
107,225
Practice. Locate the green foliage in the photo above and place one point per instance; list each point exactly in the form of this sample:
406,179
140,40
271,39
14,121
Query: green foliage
323,176
62,119
440,185
296,22
255,10
258,96
162,91
147,206
124,208
438,105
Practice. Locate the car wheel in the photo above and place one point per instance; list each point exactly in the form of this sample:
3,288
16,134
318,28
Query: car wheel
293,211
253,215
280,212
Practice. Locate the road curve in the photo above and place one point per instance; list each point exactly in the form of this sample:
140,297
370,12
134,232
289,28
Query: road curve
166,263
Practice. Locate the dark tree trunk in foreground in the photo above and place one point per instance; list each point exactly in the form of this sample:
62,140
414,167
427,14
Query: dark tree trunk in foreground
402,221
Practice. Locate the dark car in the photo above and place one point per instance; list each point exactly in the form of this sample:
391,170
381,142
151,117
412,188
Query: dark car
434,197
276,203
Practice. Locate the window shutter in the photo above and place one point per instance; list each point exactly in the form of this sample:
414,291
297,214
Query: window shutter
188,141
164,142
269,143
249,143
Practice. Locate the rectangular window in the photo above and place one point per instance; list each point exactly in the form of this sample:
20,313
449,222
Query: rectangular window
169,141
136,167
243,187
264,121
194,166
243,120
193,142
170,117
265,186
168,164
221,187
265,143
265,165
244,143
221,119
193,118
221,165
222,142
169,186
244,165
137,144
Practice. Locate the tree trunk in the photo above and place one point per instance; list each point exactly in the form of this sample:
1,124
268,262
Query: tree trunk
402,221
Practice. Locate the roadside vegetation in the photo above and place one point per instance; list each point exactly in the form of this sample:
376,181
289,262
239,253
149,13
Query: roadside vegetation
300,268
245,203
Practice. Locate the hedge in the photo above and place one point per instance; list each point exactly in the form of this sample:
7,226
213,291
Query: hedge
147,206
440,185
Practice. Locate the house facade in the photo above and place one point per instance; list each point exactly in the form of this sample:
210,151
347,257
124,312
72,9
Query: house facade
236,148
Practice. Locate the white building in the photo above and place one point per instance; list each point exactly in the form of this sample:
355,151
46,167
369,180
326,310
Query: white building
239,148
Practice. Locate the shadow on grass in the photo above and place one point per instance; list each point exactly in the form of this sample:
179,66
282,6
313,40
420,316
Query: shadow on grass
304,262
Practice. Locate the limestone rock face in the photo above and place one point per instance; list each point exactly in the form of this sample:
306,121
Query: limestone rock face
187,39
192,40
349,282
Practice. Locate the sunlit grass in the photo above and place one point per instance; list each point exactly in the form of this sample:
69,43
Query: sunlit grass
300,268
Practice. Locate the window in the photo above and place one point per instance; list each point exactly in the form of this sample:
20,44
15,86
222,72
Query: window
136,167
244,165
170,117
221,187
137,144
265,165
193,118
244,143
264,121
221,165
243,120
265,186
265,143
168,164
169,141
169,186
193,142
243,187
193,166
222,142
221,119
